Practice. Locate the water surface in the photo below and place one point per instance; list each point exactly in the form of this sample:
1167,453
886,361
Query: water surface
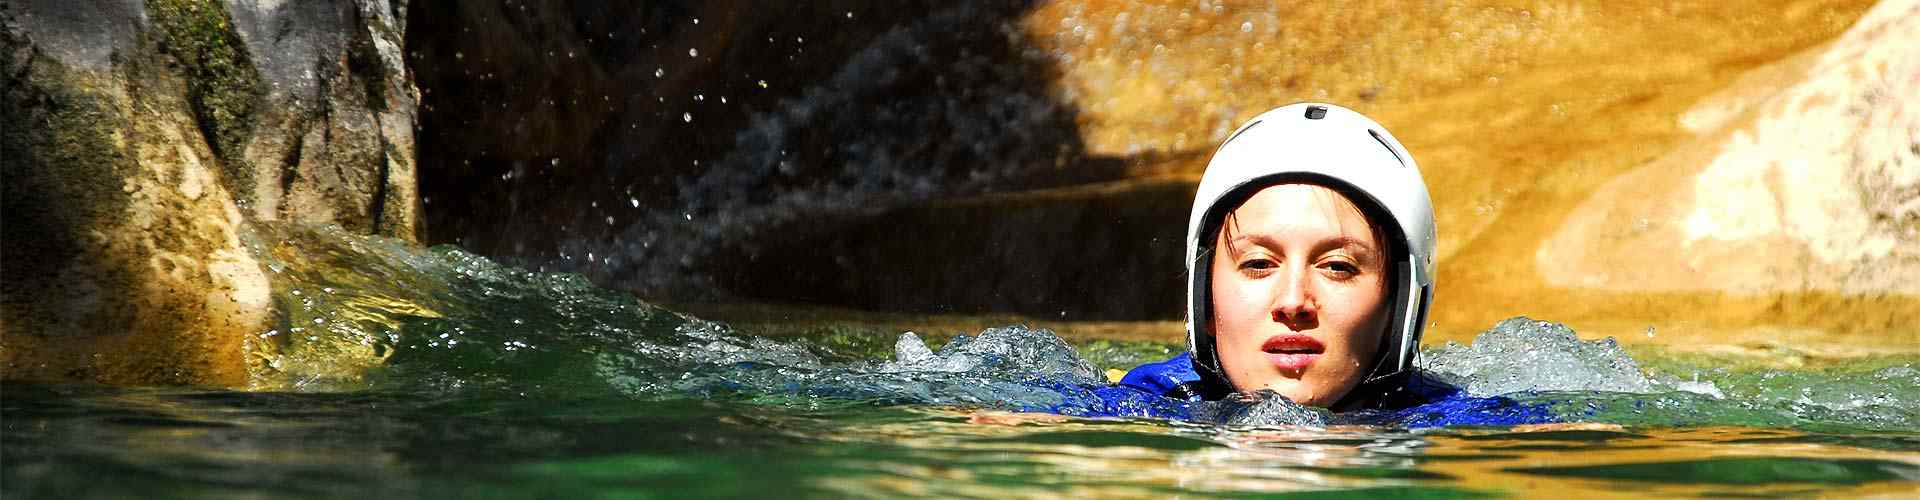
436,373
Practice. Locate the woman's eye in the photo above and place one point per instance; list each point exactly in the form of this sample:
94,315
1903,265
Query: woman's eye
1343,268
1258,264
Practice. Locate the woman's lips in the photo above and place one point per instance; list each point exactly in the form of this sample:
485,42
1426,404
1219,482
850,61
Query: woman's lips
1292,353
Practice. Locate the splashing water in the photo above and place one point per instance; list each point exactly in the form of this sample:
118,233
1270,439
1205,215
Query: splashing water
1522,354
369,313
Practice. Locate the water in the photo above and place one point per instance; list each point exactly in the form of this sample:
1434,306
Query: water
438,373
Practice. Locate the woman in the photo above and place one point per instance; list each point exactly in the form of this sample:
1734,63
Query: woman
1310,267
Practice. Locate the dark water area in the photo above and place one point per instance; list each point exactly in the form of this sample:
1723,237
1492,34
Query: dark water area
438,373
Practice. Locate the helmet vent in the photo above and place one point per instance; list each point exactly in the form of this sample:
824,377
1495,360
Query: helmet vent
1316,112
1383,143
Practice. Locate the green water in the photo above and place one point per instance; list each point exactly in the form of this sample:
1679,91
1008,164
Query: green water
400,372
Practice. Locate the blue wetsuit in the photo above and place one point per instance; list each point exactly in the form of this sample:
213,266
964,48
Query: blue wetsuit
1168,389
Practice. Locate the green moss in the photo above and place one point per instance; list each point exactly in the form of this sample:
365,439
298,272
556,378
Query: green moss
223,86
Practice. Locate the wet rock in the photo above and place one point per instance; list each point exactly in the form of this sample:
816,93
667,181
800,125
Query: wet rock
140,142
1107,251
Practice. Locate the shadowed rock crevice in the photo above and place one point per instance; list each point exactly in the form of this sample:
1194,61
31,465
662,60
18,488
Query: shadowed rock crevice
648,147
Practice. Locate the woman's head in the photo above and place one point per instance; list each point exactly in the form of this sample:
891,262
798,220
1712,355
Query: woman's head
1310,257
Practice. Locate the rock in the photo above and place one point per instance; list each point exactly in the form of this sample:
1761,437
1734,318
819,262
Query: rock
1803,178
1108,251
140,142
642,145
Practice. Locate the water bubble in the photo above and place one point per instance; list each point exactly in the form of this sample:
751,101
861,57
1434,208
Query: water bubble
1246,27
554,162
763,84
686,117
700,97
693,52
696,20
609,220
659,72
634,201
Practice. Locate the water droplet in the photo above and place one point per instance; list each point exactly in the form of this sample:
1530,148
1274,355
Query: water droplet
696,20
693,52
699,97
686,117
763,84
634,201
1246,27
723,99
554,162
659,72
609,220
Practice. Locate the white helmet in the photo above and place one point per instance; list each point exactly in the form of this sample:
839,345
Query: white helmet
1340,149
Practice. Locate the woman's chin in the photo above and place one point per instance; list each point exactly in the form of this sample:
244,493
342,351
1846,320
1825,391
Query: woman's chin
1296,391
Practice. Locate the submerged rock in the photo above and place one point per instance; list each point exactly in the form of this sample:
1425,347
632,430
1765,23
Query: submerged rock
140,142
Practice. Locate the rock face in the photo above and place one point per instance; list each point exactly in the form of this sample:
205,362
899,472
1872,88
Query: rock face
897,159
1804,177
648,145
141,139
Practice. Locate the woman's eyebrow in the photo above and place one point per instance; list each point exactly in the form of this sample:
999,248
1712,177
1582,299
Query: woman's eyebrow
1348,242
1351,243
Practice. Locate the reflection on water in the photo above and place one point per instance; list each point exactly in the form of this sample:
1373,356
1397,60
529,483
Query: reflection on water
60,441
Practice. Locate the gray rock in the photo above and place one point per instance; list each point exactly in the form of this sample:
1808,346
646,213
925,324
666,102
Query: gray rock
140,140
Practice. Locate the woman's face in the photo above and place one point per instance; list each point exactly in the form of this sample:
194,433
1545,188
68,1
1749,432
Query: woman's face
1299,294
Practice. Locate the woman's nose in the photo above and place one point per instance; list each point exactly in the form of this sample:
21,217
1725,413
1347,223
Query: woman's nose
1295,304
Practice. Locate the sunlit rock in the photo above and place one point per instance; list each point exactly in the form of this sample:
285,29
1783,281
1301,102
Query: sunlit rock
140,142
1804,176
